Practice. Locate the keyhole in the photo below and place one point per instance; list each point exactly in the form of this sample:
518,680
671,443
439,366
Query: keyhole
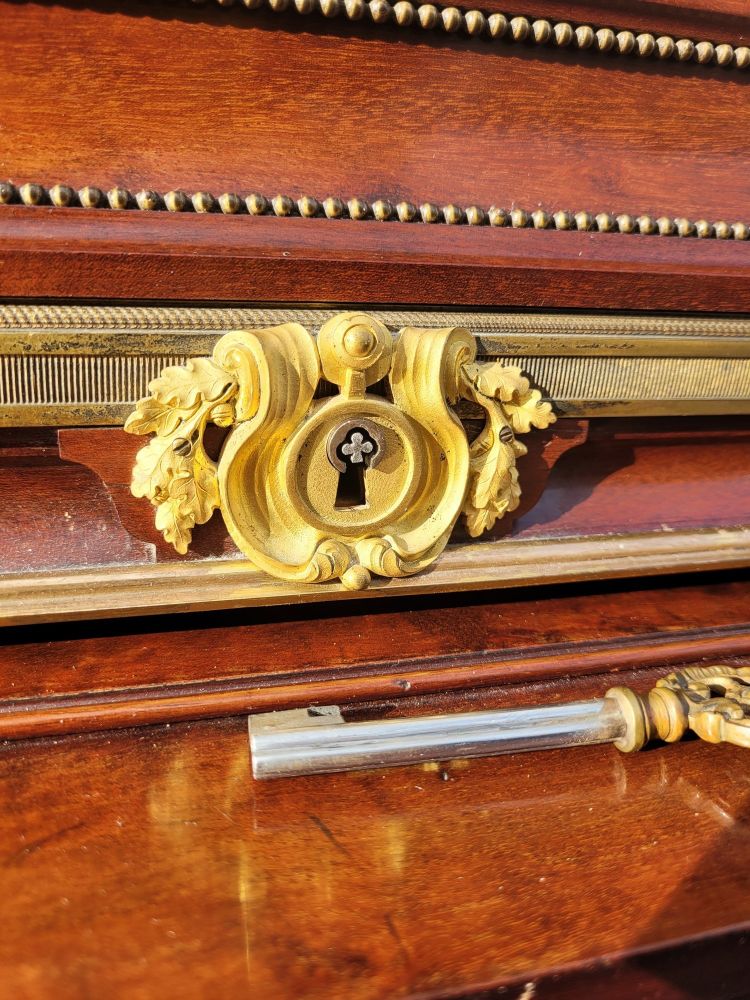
355,453
351,489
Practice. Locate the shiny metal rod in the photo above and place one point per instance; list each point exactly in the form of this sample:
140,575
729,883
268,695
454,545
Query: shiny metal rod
317,740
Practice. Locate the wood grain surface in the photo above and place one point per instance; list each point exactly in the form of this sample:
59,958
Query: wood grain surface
317,106
305,106
85,677
146,864
57,253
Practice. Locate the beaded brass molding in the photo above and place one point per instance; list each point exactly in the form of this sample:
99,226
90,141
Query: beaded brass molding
343,487
360,210
518,30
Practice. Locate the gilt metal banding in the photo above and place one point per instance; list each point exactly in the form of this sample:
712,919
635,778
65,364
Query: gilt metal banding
88,365
213,583
361,210
513,29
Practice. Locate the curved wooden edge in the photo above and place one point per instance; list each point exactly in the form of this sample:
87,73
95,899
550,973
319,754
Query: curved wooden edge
408,684
77,253
667,967
215,584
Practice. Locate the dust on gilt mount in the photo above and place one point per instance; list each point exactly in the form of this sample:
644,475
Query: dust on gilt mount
317,489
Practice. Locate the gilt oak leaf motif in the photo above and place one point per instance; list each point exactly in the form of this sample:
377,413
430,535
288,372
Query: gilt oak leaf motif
173,469
511,407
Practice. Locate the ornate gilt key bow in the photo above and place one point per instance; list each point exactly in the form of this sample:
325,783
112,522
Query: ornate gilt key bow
314,487
713,702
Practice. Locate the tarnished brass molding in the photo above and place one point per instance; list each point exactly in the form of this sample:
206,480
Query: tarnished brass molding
88,365
213,584
712,702
361,483
506,28
358,209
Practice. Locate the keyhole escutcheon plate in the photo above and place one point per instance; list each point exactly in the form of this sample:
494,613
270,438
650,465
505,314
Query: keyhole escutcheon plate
340,496
278,480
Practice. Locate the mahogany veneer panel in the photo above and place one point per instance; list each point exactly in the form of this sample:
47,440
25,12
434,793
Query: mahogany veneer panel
307,107
314,106
64,508
102,675
59,253
646,477
139,864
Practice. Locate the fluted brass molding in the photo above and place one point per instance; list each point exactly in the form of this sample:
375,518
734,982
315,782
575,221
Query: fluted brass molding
343,487
88,365
712,702
513,29
360,210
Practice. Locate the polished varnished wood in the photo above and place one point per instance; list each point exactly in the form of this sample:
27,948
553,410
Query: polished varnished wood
143,864
82,677
609,476
76,253
338,90
275,103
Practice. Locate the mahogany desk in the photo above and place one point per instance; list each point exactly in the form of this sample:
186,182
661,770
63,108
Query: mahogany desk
390,356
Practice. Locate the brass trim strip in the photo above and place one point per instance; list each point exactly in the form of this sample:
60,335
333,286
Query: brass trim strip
214,584
73,377
88,365
608,380
575,390
359,210
510,29
133,328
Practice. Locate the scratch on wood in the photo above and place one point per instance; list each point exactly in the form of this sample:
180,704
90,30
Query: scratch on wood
35,845
331,836
393,930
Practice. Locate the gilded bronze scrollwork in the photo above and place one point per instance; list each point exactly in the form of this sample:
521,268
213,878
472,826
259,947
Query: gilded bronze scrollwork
368,481
713,702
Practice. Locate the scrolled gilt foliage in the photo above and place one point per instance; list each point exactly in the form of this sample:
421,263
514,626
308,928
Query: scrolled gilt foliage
277,483
715,700
173,470
511,407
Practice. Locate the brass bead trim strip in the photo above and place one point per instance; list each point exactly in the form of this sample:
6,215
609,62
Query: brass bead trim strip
193,330
515,30
357,209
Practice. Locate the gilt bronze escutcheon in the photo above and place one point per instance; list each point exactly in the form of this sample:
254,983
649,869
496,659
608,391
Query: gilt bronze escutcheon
312,488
